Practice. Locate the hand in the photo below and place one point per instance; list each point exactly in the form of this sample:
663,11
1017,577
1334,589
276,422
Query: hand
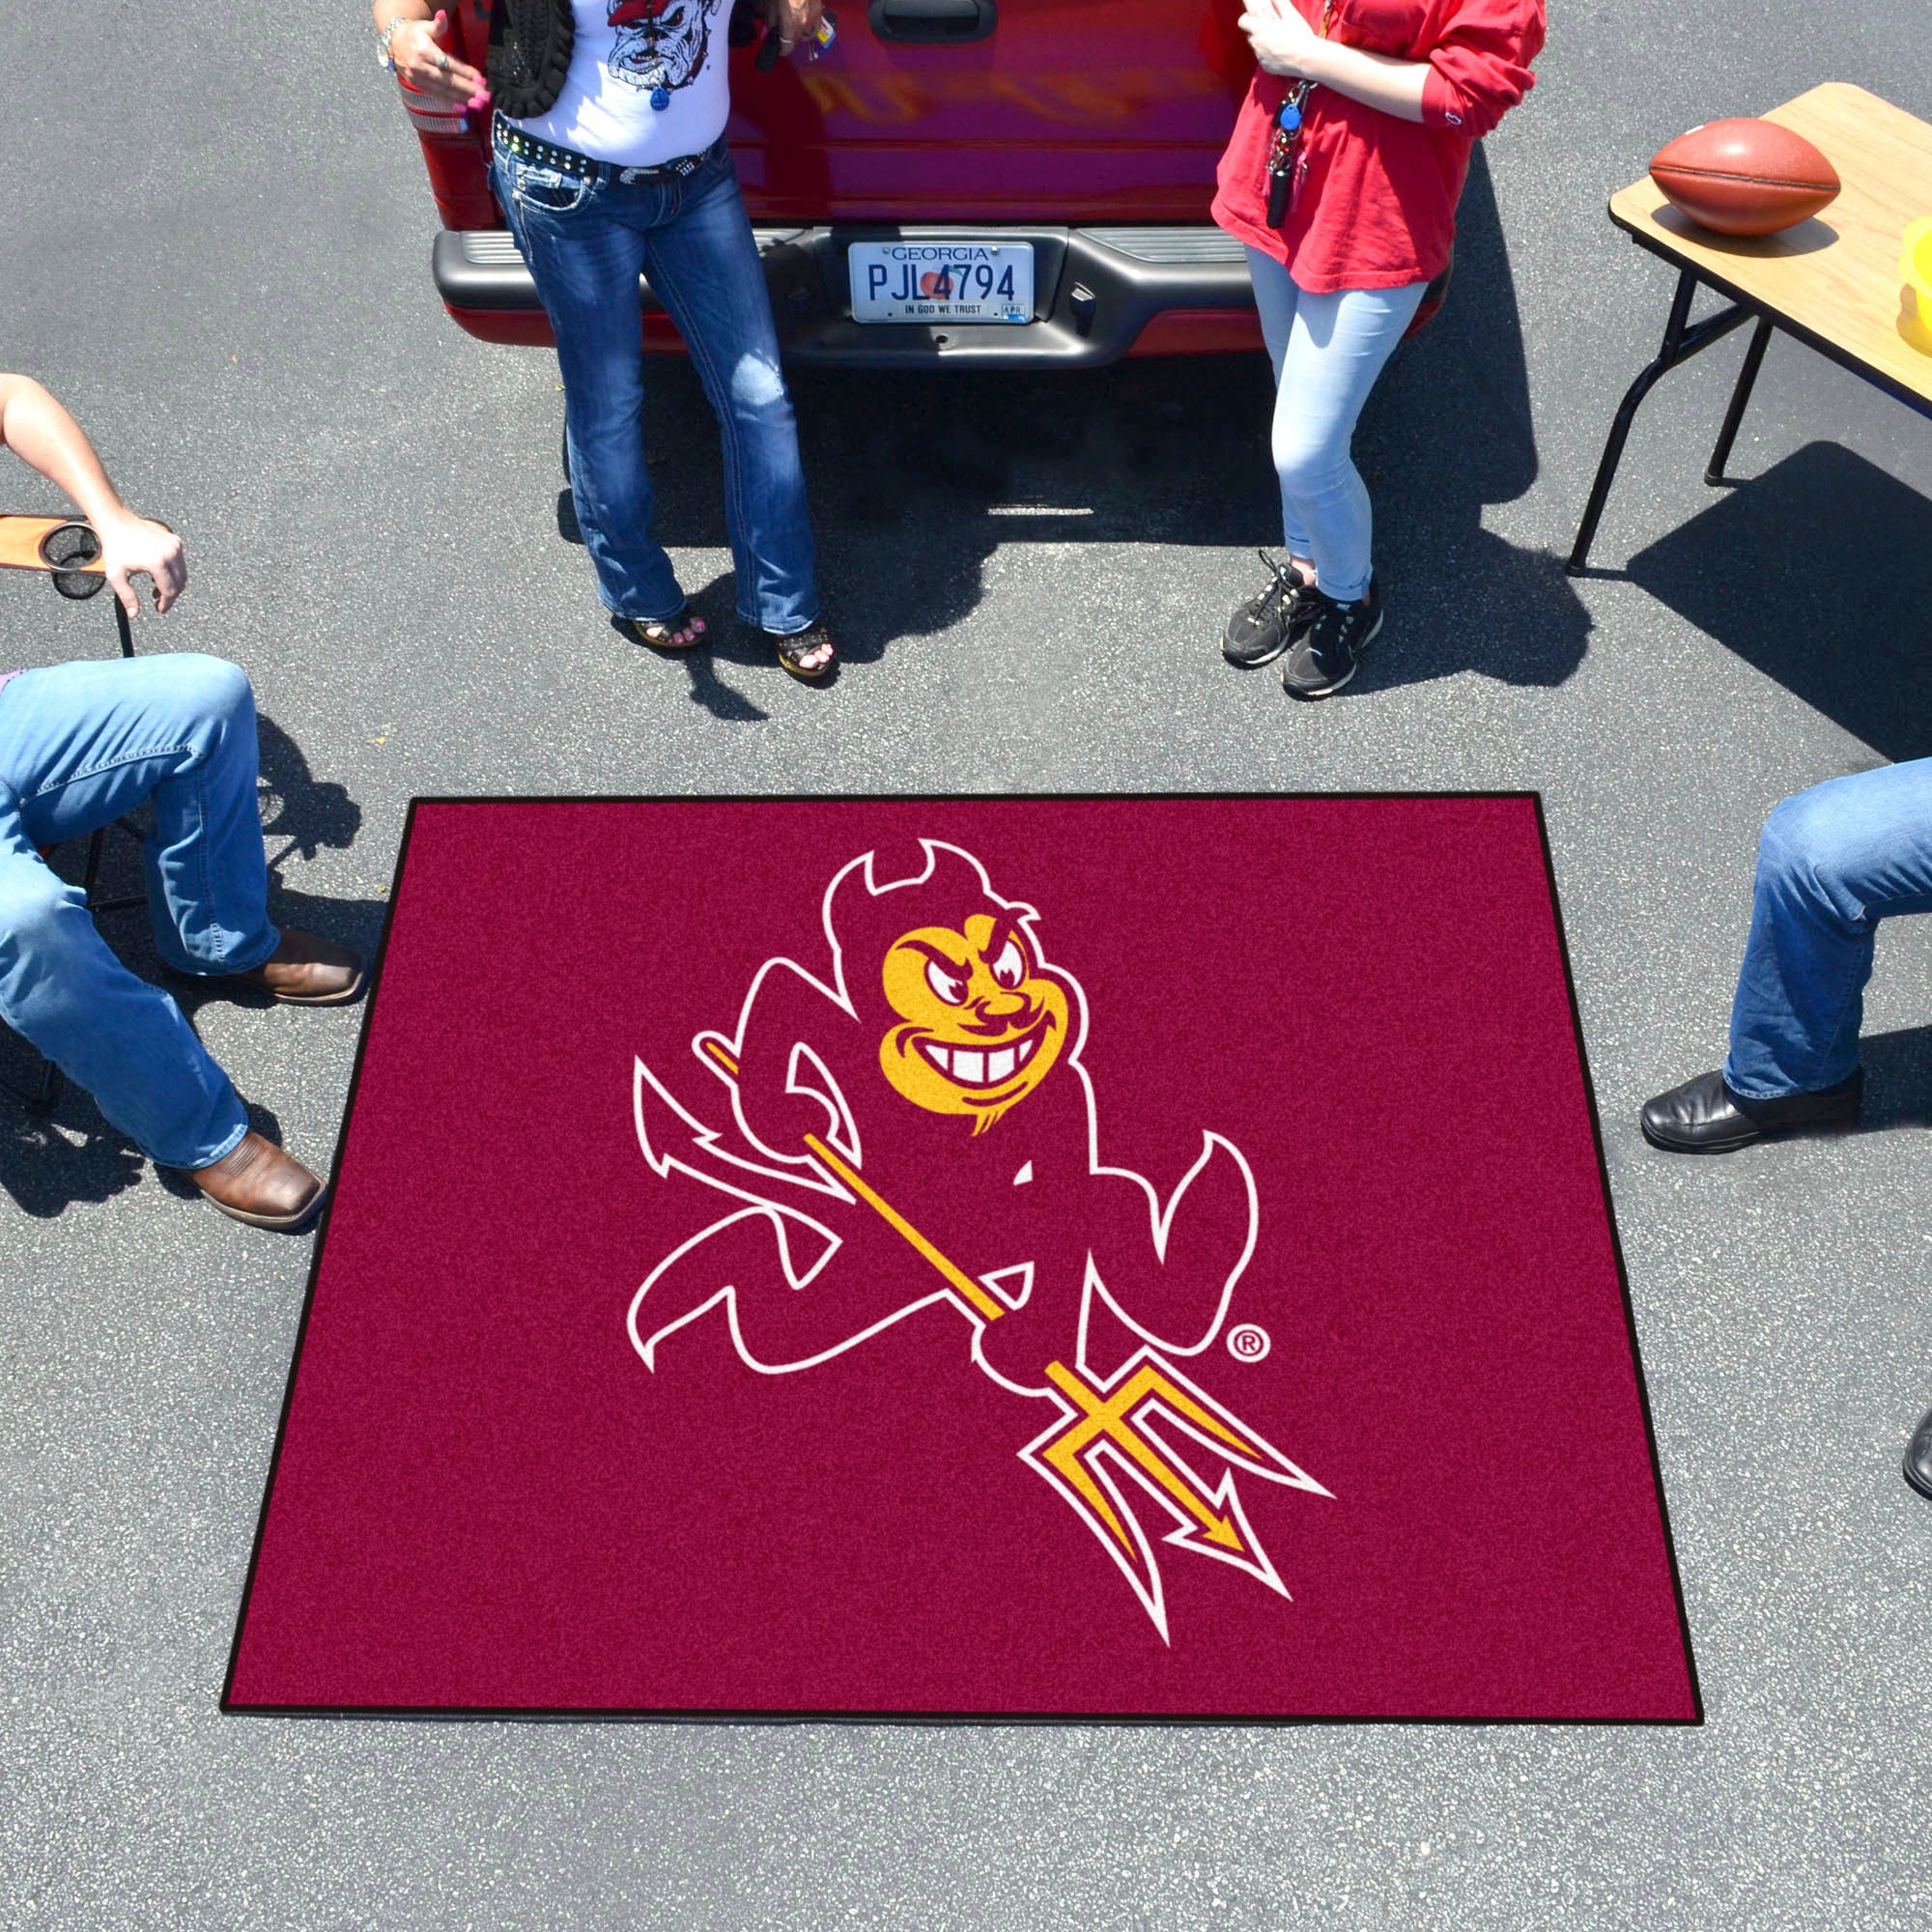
132,547
795,22
1284,43
420,51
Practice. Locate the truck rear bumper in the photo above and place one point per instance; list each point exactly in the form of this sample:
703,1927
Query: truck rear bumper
1100,294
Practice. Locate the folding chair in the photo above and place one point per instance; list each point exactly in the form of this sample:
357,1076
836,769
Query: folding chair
69,554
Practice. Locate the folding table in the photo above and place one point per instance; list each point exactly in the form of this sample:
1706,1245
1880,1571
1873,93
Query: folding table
1832,282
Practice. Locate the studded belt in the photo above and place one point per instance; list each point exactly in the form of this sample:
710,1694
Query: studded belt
568,161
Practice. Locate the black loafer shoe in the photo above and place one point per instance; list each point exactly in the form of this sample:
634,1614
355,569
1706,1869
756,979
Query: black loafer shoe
1919,1456
1703,1116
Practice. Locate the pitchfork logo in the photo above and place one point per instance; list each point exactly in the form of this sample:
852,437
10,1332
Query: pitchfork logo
910,1126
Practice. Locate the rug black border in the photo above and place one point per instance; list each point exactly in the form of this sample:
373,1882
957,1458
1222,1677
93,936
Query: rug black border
522,1714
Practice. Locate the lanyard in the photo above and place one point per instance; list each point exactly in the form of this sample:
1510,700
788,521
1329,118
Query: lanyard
1282,148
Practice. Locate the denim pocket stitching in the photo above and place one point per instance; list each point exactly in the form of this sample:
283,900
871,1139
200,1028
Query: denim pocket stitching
543,180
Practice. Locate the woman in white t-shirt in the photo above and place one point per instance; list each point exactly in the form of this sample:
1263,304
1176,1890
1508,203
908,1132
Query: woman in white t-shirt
610,162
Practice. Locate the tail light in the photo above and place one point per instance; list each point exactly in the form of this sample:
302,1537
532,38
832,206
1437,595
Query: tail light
456,150
429,117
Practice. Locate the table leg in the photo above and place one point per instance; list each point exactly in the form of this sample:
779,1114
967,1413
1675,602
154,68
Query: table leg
1740,398
1682,340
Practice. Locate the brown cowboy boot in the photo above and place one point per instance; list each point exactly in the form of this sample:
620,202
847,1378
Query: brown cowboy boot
307,970
255,1181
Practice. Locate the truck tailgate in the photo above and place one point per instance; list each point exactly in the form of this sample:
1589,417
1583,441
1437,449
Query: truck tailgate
1068,110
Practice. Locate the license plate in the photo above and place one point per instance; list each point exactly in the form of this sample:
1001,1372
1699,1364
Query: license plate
941,281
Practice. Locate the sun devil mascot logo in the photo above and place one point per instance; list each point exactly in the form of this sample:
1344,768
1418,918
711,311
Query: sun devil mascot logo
915,1129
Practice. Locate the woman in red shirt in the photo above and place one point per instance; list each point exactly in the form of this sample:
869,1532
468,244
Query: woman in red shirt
1341,178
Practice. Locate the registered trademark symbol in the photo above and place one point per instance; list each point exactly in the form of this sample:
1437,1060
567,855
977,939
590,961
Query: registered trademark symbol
1247,1342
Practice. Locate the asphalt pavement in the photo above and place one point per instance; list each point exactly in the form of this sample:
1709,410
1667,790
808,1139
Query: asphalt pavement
215,248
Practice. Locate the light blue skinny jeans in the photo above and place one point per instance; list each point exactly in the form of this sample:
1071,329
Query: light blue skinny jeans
81,745
1327,351
1832,864
586,242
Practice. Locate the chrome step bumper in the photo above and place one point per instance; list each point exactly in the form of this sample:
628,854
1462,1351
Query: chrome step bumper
1095,290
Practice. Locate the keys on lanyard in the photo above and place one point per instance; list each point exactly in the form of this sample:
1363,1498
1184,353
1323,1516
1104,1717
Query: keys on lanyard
1287,140
1282,151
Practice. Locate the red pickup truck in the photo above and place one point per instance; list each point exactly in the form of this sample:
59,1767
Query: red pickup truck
1041,168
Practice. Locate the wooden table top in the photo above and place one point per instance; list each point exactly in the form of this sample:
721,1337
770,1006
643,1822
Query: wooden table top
1835,278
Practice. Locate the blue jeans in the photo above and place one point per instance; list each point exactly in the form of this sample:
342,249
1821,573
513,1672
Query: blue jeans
586,244
81,744
1833,861
1327,351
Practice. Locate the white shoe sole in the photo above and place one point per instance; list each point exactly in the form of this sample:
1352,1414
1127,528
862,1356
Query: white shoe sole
1253,663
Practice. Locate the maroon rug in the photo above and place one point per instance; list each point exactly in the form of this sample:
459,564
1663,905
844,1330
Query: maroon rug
1036,1258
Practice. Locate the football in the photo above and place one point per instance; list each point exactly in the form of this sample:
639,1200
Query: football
1745,177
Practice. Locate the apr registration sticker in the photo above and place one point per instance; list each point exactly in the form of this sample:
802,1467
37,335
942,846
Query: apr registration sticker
942,281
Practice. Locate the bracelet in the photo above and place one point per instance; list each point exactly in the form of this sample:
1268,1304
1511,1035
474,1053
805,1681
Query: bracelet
385,58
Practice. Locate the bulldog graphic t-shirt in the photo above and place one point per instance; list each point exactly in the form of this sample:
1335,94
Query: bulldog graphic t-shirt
647,82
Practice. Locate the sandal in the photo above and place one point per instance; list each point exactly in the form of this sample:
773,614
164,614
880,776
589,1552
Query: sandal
660,634
794,649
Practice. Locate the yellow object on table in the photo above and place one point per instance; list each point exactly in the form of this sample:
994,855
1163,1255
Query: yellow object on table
1915,318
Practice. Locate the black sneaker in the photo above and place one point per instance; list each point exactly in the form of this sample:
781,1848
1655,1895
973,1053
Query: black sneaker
1328,653
1265,626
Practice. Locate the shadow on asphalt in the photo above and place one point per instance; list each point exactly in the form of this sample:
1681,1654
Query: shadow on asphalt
917,478
1819,573
307,812
1448,432
1898,1078
48,1163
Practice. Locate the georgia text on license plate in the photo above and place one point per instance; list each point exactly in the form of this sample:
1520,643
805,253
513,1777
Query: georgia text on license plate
941,281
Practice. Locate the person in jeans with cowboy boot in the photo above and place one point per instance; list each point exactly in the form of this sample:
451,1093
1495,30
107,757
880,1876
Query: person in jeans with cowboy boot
609,161
82,745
